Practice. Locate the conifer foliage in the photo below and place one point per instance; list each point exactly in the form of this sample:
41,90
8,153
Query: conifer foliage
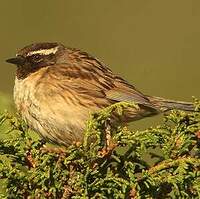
112,162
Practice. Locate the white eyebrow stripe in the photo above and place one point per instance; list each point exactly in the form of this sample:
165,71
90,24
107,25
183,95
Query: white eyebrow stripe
44,51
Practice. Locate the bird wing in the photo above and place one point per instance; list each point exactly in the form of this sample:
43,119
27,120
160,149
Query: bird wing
119,95
97,82
123,91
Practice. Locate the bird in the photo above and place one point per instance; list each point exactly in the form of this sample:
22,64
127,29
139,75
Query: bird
57,88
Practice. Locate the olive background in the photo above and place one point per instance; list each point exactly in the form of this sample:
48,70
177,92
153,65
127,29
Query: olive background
154,44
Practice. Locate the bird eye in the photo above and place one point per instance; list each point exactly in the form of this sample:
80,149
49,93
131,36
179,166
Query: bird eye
37,58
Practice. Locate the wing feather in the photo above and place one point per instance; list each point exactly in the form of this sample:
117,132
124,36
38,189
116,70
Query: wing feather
95,83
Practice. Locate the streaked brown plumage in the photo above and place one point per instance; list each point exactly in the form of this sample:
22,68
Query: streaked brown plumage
56,88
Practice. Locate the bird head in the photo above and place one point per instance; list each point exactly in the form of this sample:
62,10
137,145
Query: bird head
35,56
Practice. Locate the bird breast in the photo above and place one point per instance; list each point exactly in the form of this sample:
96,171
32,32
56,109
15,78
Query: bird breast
46,112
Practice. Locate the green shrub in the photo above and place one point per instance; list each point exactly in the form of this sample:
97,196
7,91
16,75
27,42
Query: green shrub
112,162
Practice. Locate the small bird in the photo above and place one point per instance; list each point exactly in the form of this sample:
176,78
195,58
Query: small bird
57,88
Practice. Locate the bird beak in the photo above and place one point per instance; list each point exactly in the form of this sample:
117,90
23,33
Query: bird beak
19,60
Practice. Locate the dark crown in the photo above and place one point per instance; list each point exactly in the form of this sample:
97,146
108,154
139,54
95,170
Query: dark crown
44,48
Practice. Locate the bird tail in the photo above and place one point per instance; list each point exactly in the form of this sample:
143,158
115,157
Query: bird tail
166,104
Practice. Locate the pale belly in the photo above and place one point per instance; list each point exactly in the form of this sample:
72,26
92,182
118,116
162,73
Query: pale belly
50,116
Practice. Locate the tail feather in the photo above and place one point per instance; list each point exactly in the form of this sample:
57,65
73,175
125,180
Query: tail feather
166,104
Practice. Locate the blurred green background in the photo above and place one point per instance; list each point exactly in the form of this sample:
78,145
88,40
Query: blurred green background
153,44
